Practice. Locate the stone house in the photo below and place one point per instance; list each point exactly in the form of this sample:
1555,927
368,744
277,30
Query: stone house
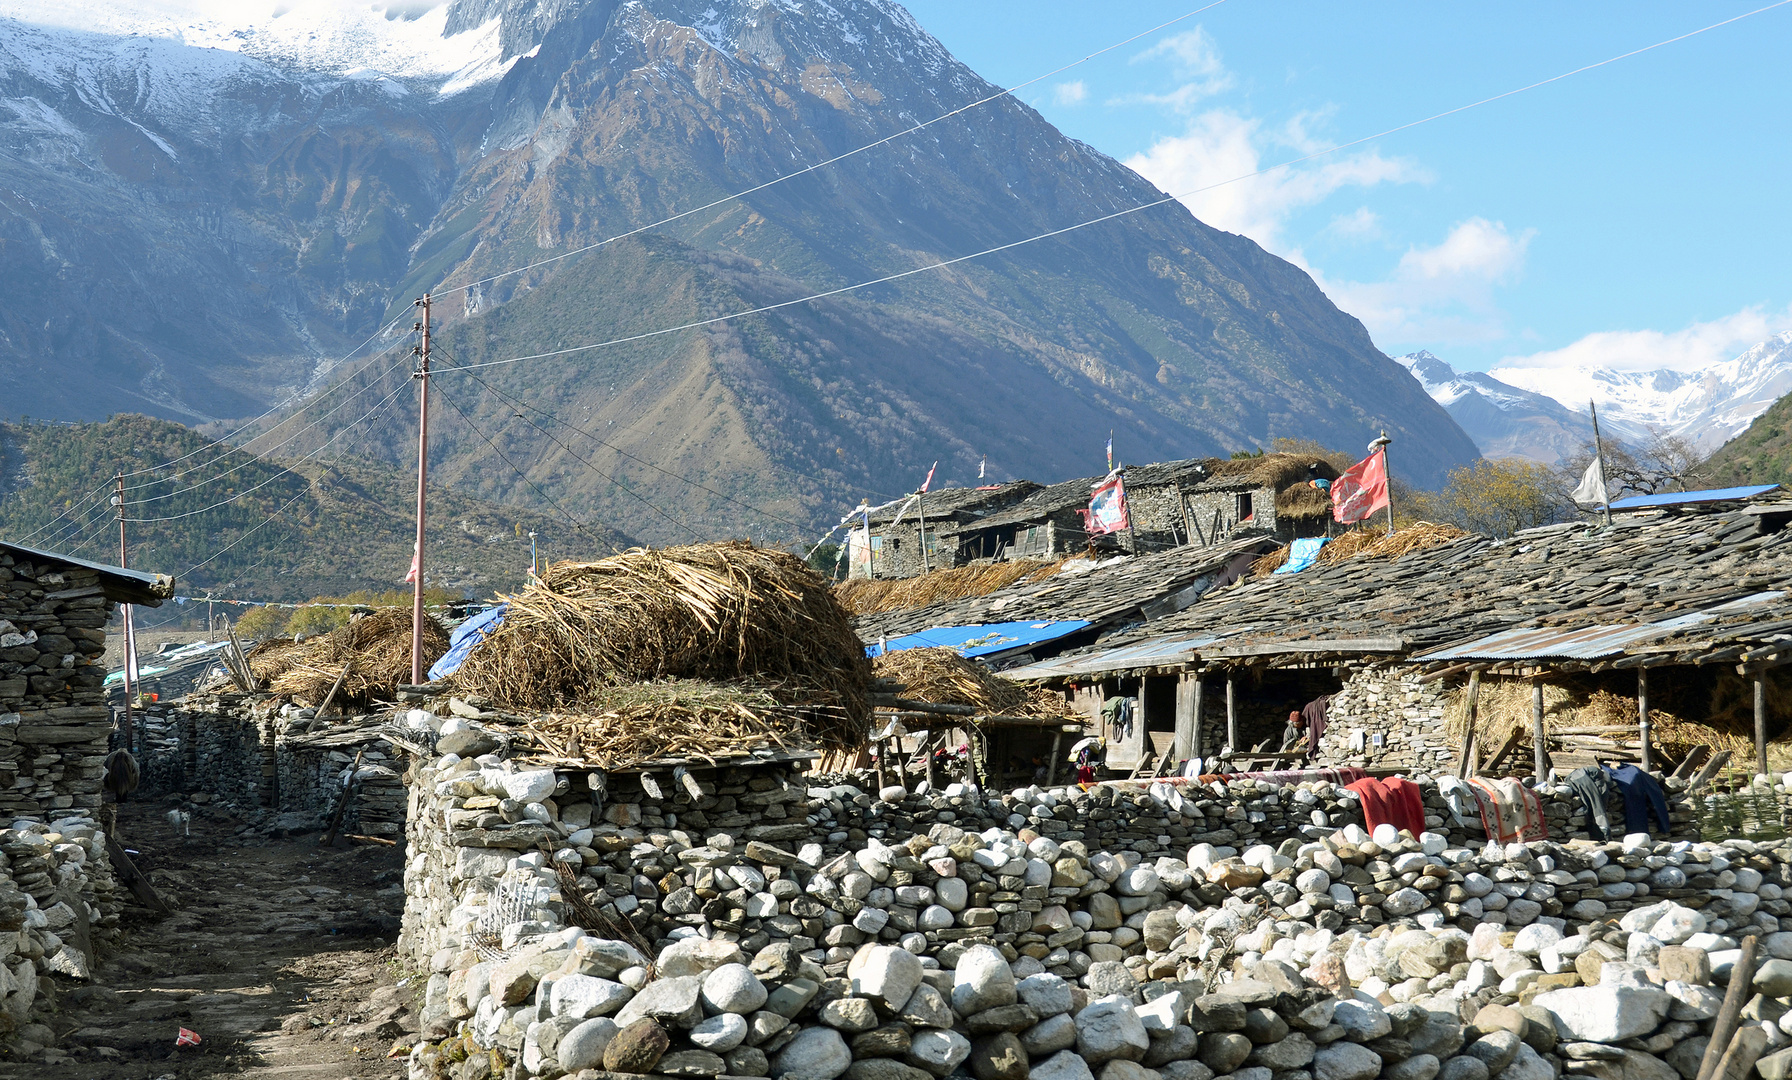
54,721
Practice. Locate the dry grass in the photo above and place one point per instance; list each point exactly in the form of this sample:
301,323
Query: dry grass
621,727
707,612
1303,502
942,677
1369,543
1273,470
862,597
377,647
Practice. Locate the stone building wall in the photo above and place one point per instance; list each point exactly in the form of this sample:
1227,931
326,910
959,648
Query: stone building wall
54,722
1388,701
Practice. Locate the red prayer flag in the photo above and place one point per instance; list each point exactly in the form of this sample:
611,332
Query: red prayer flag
1362,490
1107,507
927,483
186,1038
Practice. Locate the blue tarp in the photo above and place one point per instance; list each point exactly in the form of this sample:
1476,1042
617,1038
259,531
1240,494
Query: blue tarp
983,639
1682,498
465,638
1301,554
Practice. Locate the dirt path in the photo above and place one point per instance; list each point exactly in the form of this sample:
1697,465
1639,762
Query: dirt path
279,955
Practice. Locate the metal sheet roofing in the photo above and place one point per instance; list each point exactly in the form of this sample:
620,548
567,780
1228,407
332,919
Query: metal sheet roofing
1588,642
1154,653
981,640
1688,498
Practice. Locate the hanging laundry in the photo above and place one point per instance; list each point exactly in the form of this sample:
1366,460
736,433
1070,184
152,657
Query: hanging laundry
1642,796
1591,783
1393,801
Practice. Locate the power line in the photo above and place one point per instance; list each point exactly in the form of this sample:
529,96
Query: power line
1168,199
577,524
632,457
830,161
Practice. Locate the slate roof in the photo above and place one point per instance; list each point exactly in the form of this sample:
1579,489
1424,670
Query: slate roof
1702,575
120,585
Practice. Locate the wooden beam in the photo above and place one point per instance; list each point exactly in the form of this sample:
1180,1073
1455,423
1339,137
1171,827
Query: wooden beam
1505,748
1711,769
1539,748
1694,758
1051,765
1337,645
1200,710
1755,666
1642,715
1185,719
1471,700
138,884
1741,979
1761,723
1231,715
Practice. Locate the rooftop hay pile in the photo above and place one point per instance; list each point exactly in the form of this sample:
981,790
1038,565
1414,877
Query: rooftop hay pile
759,626
863,597
1277,470
942,677
1368,543
376,649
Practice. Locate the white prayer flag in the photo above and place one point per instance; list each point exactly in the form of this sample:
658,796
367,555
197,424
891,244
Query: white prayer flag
1591,491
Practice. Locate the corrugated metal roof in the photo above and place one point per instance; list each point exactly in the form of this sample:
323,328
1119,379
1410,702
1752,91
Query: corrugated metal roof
1686,498
1587,642
1154,653
983,639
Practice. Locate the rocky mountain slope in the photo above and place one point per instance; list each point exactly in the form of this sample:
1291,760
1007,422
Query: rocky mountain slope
1503,420
288,193
341,525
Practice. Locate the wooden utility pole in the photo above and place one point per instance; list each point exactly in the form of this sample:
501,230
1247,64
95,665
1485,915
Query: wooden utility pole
1642,715
422,377
130,637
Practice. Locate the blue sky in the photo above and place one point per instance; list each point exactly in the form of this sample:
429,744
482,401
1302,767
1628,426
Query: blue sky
1636,216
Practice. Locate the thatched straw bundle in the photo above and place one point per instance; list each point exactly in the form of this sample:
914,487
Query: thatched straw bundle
376,649
271,658
620,727
709,612
942,677
1275,470
1369,543
1303,502
863,597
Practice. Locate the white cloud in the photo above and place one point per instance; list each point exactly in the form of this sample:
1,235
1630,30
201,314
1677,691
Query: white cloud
1360,224
1440,295
1070,93
1695,348
1204,166
1195,60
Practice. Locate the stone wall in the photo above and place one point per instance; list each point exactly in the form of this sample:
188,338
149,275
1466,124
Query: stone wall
53,717
1388,701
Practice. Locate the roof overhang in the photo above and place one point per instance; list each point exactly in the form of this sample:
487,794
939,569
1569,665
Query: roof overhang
120,585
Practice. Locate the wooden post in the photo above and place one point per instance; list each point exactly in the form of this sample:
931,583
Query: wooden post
334,687
1200,710
1741,976
1185,718
1471,700
1761,722
1642,716
1539,753
1231,715
1051,765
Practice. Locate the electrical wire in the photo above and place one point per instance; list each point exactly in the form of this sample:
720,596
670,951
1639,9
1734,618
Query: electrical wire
284,507
829,161
577,524
1104,218
803,529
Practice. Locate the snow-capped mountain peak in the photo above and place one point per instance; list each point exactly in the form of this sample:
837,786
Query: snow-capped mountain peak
1504,420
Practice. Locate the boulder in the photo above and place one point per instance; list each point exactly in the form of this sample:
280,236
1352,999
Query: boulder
720,1033
697,956
998,1057
582,996
1063,1065
817,1053
1224,1051
1605,1013
939,1052
637,1047
1362,1020
675,1001
733,988
982,980
1346,1061
1048,994
886,973
583,1046
1109,1028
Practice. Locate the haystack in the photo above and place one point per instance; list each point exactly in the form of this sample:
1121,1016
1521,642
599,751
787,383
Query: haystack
1302,502
864,597
376,649
1277,470
1369,543
942,677
716,613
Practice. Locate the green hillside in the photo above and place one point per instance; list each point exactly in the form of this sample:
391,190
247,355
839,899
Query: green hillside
1760,455
337,525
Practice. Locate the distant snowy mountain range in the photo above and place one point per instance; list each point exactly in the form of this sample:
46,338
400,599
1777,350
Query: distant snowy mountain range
1544,416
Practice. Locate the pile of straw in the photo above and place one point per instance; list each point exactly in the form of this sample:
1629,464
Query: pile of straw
707,612
1275,470
1303,502
942,677
271,658
862,597
620,727
1369,543
375,647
